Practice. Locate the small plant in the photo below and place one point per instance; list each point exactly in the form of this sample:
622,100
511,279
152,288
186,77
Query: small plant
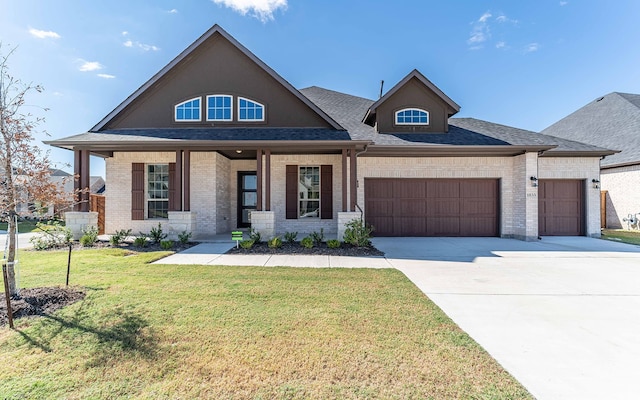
255,235
140,241
247,244
358,233
89,237
184,237
307,242
52,235
166,244
290,237
117,238
275,243
317,237
333,243
156,235
86,241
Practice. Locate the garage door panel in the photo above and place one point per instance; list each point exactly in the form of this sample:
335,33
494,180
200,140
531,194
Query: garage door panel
432,207
561,207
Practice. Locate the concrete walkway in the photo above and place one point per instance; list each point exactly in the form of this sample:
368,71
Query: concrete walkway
562,315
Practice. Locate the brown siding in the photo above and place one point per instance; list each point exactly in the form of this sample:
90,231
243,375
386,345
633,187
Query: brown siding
561,208
432,207
137,191
291,192
413,94
216,67
326,191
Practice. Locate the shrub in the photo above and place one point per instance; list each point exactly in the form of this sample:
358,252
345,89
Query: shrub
90,236
184,237
317,237
333,243
52,235
255,236
166,244
117,238
358,233
156,235
275,243
247,244
290,237
307,242
86,241
140,241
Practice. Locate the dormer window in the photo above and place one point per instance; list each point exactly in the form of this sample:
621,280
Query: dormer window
249,110
412,116
188,111
219,108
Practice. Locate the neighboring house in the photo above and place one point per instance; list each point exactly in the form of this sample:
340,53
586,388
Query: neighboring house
611,121
217,140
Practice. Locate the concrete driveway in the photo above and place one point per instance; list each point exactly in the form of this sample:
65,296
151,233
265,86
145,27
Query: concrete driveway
562,315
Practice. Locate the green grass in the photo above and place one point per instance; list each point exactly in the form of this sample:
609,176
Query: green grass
624,236
164,331
23,226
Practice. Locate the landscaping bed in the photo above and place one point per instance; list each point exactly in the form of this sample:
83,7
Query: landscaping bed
39,301
320,250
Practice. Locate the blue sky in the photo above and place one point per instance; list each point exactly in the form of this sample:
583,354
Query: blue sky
523,63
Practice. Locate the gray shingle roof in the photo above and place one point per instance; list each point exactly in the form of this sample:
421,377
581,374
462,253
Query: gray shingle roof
611,121
348,111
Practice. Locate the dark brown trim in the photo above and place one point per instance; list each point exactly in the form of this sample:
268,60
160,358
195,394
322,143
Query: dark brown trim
85,180
326,191
77,162
259,179
344,180
267,183
137,191
173,188
178,182
353,181
291,192
186,181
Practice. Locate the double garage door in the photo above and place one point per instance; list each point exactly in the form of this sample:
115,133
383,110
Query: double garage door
465,207
432,207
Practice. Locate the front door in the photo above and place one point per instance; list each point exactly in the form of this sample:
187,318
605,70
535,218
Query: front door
247,197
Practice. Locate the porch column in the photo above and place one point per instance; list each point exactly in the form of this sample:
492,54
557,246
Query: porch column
85,180
259,179
178,182
77,162
344,180
354,179
267,184
186,181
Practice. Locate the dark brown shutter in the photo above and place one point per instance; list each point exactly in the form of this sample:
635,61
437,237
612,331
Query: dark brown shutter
172,188
292,191
137,191
326,192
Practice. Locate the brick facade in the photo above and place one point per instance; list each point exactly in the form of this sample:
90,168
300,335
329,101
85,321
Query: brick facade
623,194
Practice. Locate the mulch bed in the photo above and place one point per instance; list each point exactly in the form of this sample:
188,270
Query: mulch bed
322,250
39,301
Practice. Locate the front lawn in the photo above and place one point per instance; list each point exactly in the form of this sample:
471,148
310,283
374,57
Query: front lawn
620,235
23,226
165,331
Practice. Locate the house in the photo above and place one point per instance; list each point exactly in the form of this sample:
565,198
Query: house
611,121
217,140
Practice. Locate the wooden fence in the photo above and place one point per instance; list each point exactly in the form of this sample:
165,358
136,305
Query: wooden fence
96,204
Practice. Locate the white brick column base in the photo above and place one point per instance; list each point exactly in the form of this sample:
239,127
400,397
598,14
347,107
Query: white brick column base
181,221
77,221
343,219
264,222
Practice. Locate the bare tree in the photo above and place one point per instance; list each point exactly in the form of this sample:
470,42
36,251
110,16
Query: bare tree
24,169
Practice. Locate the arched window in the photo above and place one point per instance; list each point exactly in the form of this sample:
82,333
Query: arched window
412,116
249,110
188,110
220,108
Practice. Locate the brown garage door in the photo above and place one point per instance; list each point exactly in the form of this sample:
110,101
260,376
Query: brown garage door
432,207
560,207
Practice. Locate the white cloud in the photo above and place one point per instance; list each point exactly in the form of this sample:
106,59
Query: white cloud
173,11
87,66
141,46
106,76
480,32
261,9
563,3
531,47
501,45
40,34
125,33
484,17
128,43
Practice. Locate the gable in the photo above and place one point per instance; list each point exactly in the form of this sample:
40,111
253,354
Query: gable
216,66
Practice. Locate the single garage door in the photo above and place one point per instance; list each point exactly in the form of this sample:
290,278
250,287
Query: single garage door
561,207
432,207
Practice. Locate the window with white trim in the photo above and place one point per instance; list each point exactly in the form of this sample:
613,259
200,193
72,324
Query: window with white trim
309,192
220,107
249,110
188,111
412,116
157,191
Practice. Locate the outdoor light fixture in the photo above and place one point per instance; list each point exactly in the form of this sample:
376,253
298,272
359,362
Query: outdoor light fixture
238,151
596,183
534,181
